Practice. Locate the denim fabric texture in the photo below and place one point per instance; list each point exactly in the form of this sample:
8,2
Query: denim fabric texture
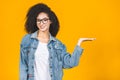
59,58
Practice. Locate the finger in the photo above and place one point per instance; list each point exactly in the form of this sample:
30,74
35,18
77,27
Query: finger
93,38
88,39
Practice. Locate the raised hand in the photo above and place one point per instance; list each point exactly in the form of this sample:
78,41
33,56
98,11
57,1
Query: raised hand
84,40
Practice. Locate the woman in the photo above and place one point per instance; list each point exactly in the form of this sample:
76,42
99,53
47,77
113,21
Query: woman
42,56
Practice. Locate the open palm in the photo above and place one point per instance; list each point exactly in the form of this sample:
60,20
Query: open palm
84,40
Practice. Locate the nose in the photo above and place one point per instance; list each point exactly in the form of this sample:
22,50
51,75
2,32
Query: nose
41,23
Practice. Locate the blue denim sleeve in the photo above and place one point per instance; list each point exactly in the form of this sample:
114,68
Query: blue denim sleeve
23,61
23,65
71,60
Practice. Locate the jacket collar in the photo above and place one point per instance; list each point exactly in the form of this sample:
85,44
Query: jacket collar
34,35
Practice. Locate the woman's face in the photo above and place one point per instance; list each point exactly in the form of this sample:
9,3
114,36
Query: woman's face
43,22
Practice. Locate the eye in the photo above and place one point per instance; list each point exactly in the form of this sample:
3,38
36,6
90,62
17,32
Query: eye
45,19
38,20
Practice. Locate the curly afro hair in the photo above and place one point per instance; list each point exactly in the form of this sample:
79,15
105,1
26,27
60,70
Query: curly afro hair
30,24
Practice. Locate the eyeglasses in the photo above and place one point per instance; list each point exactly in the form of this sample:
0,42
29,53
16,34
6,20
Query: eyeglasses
44,20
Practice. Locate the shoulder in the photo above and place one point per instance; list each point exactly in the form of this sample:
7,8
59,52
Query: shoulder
59,44
25,39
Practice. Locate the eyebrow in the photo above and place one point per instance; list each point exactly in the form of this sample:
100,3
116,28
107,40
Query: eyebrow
43,18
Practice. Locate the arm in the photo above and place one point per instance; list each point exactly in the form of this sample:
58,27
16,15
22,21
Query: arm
73,60
23,65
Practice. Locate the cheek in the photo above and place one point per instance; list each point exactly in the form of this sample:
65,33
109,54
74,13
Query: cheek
37,24
48,25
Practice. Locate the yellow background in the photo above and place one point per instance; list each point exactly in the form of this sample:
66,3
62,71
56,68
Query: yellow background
78,18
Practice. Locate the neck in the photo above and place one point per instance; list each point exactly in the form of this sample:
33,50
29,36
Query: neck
43,36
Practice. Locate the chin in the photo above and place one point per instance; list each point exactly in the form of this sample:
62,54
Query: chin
43,30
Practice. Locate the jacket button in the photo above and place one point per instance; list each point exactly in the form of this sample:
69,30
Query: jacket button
50,66
51,57
28,51
51,75
34,47
49,47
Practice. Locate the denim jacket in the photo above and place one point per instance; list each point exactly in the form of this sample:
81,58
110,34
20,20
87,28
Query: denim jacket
59,58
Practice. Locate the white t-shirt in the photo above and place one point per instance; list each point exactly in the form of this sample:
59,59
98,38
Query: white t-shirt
41,65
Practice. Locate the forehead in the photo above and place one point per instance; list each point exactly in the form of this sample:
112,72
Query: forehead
42,15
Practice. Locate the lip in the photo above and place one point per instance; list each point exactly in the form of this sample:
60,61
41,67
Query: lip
42,27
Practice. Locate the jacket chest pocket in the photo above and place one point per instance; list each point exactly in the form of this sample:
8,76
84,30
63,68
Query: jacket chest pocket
58,50
29,54
27,50
58,54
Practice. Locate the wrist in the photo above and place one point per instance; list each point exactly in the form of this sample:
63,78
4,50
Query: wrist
79,43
